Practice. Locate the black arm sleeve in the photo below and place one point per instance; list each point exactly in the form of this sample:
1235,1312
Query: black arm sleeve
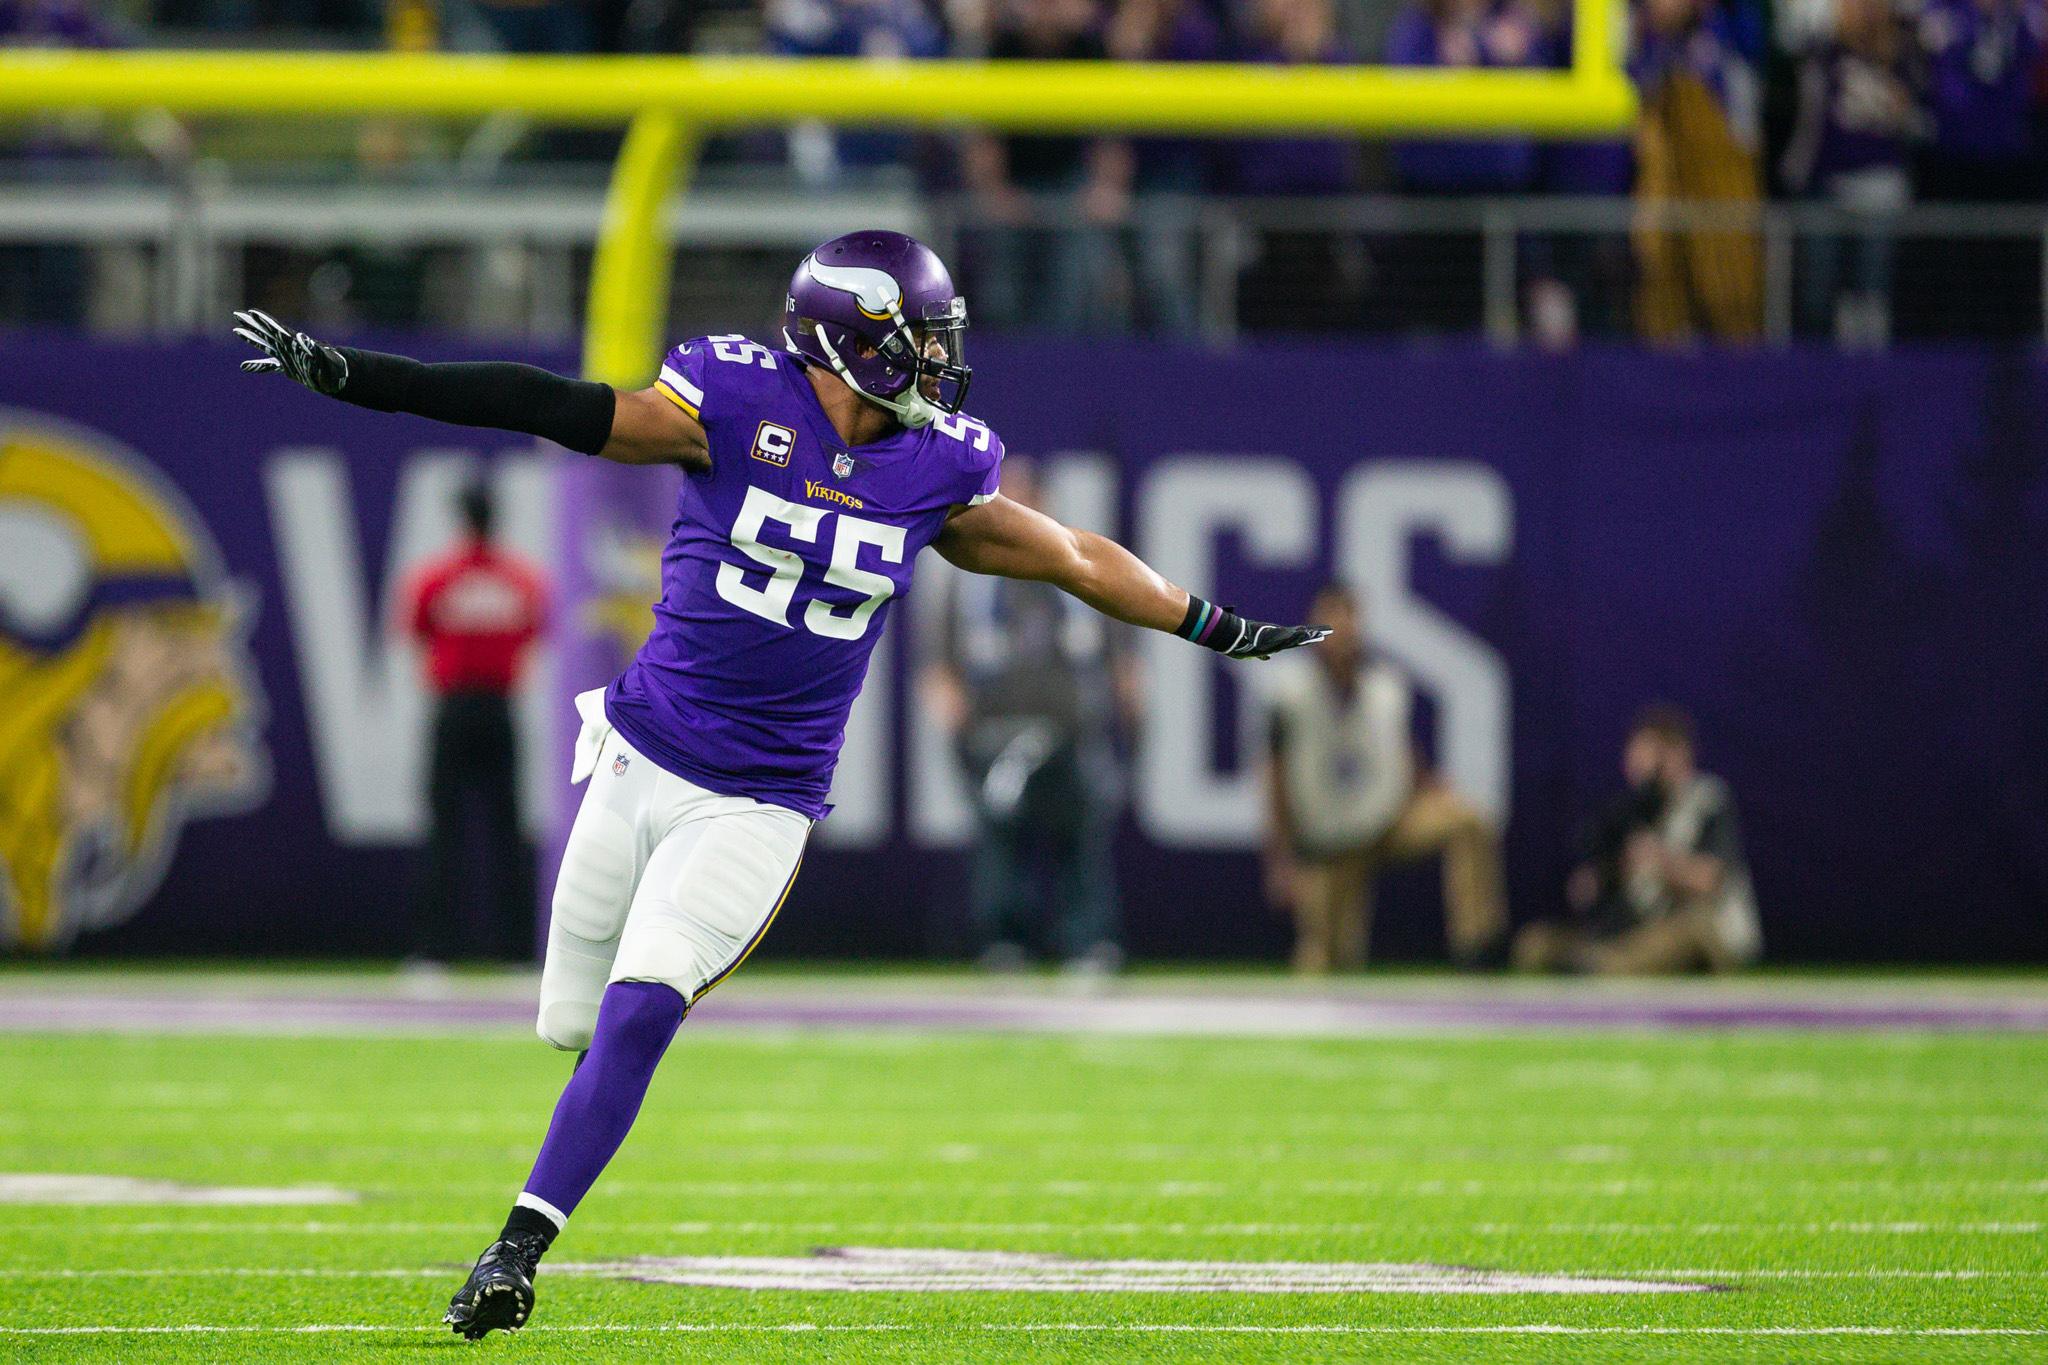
575,413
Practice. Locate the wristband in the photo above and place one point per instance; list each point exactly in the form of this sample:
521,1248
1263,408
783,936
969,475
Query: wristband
1214,627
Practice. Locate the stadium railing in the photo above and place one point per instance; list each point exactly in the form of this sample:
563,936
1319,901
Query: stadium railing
191,244
668,103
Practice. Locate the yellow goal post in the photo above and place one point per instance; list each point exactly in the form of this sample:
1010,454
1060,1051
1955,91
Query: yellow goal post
667,103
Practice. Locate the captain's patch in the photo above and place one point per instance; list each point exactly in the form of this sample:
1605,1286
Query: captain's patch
773,444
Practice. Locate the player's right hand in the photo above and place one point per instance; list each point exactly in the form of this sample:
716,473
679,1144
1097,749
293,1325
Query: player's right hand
294,355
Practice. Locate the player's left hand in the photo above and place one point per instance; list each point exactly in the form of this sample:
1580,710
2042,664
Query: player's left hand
1262,640
294,355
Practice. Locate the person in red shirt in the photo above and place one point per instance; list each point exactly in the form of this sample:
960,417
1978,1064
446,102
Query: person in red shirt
476,610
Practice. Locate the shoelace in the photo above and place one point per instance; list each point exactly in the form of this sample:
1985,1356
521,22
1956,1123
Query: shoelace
525,1251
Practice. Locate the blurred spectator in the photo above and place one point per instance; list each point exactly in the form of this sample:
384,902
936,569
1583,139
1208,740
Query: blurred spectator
63,282
1364,26
1032,686
52,23
1982,59
646,25
879,30
1461,34
1433,279
44,282
1298,280
1857,110
1662,884
536,26
1031,271
1345,800
1170,173
1575,283
969,25
477,610
540,28
1696,144
359,16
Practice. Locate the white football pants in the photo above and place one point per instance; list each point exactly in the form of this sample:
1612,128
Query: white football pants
661,881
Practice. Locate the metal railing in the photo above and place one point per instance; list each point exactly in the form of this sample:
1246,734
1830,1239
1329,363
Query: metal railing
192,240
508,258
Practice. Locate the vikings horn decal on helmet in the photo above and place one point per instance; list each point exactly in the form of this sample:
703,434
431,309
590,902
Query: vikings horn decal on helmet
877,294
878,309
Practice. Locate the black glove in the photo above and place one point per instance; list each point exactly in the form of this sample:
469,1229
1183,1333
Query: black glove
1223,630
294,355
1262,640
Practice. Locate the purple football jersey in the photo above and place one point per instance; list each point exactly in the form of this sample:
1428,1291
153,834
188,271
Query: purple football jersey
779,573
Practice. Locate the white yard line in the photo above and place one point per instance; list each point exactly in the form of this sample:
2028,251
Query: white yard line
1230,1329
737,1151
1868,1273
1451,1186
38,1187
1425,1120
315,1328
254,1272
1521,1329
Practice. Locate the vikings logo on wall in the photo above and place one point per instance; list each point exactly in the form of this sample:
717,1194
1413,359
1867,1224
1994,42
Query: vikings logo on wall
132,702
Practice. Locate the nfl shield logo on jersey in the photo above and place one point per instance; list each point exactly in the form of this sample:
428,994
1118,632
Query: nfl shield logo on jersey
842,464
619,766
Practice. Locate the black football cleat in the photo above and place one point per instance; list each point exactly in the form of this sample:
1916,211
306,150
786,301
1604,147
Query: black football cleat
499,1292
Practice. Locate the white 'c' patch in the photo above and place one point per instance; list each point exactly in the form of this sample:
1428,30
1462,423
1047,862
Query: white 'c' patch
124,1189
903,1270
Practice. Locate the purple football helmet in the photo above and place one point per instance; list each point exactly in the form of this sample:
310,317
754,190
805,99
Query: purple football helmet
878,310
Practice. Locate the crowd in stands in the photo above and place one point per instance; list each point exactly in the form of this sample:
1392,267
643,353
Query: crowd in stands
1855,107
1859,106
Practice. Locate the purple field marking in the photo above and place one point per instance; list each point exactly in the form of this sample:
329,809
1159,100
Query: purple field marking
1186,1014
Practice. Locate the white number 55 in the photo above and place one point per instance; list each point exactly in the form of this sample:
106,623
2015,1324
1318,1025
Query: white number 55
771,600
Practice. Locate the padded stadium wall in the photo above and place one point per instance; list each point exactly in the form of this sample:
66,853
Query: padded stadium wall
1833,560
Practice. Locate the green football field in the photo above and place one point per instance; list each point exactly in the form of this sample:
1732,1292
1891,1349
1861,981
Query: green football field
1741,1185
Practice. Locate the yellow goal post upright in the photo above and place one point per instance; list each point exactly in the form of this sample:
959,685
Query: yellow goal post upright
667,103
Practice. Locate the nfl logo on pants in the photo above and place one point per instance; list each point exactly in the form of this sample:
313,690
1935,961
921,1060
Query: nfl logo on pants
619,766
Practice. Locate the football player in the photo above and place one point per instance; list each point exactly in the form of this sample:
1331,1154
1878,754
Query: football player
816,474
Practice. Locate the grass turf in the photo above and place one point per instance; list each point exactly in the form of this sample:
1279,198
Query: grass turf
1891,1182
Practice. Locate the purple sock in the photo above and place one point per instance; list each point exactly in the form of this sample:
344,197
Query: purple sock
635,1021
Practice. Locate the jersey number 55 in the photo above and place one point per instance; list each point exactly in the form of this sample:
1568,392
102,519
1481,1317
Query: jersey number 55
772,600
